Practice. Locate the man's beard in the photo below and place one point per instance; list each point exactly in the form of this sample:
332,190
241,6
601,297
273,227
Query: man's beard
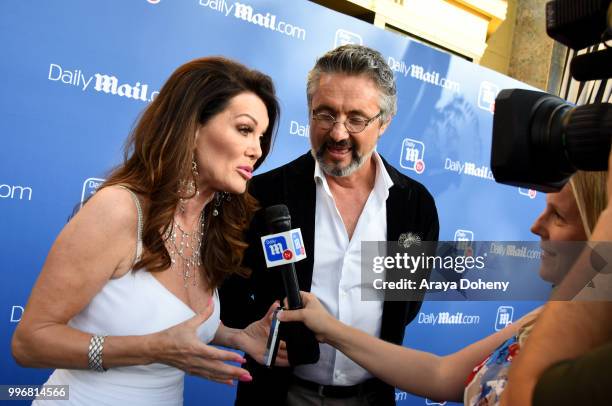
334,169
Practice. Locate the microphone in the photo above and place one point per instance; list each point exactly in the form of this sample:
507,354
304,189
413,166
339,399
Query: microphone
278,220
282,248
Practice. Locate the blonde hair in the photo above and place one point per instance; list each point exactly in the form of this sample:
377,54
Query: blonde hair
589,189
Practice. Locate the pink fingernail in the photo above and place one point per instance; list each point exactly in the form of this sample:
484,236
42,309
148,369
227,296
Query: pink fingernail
246,378
241,360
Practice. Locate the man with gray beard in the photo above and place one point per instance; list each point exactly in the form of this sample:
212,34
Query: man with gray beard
340,193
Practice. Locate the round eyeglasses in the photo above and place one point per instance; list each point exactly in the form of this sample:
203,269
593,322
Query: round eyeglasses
326,121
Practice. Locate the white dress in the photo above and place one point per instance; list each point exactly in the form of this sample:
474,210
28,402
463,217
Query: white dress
135,304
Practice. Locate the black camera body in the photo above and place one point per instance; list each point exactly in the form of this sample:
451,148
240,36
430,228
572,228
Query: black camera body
540,140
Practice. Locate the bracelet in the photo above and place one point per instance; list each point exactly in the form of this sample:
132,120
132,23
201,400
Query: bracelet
94,354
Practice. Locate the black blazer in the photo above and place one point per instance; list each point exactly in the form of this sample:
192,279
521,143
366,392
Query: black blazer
410,208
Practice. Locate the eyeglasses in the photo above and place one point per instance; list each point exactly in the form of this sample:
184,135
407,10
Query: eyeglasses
353,125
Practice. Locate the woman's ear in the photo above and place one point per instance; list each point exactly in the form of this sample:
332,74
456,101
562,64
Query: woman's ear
198,133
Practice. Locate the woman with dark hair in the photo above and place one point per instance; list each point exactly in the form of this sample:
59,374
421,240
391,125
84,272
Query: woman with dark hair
127,299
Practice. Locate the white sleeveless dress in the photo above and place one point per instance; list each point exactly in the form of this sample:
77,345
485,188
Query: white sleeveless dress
135,304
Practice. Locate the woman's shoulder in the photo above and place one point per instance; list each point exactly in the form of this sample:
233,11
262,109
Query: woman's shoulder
114,206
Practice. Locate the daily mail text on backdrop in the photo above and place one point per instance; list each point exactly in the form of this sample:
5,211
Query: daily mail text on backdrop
78,75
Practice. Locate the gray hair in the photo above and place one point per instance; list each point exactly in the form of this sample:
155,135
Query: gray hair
358,60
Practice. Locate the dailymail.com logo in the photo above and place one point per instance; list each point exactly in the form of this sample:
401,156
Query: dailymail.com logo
528,192
412,155
298,246
16,313
464,238
344,37
486,96
504,317
89,188
464,235
283,248
275,247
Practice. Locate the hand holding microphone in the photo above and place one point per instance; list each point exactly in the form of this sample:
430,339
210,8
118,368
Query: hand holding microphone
282,248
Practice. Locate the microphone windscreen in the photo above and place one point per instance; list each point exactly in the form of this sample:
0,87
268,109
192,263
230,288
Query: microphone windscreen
278,218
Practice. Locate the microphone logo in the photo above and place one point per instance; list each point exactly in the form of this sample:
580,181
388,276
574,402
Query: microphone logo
275,247
283,248
297,243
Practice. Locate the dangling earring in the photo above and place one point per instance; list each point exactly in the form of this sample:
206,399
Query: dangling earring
194,169
188,187
219,198
217,206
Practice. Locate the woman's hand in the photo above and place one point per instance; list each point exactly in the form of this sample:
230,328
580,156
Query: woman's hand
313,315
254,337
180,347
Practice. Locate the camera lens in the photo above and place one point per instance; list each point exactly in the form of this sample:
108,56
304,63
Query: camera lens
540,140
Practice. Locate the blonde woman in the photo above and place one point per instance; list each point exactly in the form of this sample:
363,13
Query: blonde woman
569,215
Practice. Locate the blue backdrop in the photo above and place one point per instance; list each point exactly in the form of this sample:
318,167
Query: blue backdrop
61,130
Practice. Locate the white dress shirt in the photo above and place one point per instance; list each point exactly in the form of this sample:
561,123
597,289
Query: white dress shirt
336,276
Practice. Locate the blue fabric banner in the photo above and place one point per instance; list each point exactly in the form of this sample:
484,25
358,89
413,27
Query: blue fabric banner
76,75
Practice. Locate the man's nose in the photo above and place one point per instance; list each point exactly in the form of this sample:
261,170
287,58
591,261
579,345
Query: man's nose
338,132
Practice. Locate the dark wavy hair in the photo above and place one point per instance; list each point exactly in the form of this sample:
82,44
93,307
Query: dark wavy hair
159,152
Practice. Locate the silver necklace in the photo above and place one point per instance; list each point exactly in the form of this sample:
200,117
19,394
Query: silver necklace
187,264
